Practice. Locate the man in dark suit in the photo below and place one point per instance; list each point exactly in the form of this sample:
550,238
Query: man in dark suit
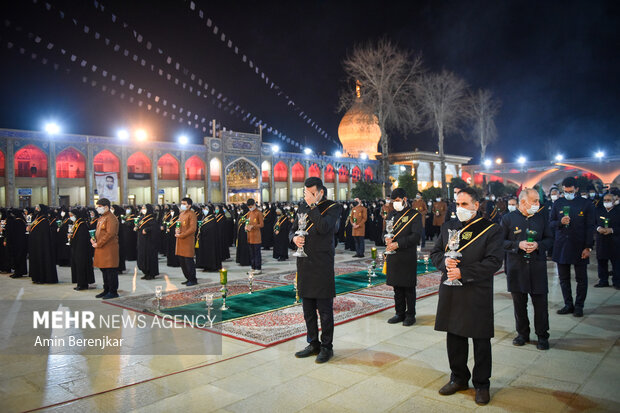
608,242
572,220
466,310
315,273
401,267
526,266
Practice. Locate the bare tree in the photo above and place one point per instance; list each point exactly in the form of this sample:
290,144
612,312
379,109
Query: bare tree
481,110
442,98
386,76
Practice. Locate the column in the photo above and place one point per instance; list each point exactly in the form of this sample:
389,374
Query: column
306,169
349,183
457,169
337,183
259,178
272,183
124,188
322,168
52,195
154,178
415,174
207,180
9,174
432,166
223,183
289,181
182,182
90,175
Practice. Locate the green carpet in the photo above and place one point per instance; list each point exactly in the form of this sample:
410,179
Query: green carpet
244,305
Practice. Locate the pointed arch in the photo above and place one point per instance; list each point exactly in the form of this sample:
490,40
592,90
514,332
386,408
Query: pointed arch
280,172
329,174
1,163
106,161
368,174
139,166
70,163
168,167
298,172
194,169
343,174
314,170
30,162
265,170
356,174
215,169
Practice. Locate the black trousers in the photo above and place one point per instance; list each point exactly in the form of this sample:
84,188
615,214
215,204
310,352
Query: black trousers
255,257
541,314
359,245
325,308
458,348
188,266
110,280
603,271
581,276
404,299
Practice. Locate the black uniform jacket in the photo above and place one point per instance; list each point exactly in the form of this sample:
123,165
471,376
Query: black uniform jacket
572,239
467,310
608,246
526,275
315,273
402,266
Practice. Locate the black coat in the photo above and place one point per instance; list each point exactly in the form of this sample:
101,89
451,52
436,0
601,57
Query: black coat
280,240
266,232
148,260
243,249
402,267
315,273
207,254
17,244
63,251
41,258
608,246
526,275
171,241
220,220
131,238
82,272
467,310
571,240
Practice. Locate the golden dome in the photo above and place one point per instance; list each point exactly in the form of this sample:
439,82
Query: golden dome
359,132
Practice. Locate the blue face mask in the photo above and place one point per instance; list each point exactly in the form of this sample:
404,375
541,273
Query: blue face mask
569,196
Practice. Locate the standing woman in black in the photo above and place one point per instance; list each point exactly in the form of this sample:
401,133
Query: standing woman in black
169,224
6,261
128,234
17,242
118,212
243,249
42,262
148,242
63,251
82,272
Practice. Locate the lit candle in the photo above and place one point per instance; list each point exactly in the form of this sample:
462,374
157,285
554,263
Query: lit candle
373,253
223,276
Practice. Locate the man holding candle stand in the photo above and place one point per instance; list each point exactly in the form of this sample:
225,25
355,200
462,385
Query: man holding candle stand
185,248
572,220
315,273
105,244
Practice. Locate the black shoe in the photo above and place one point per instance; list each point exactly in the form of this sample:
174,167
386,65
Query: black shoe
520,340
566,310
310,350
110,295
601,285
144,277
482,396
324,355
396,319
185,282
578,312
281,259
16,276
452,387
409,321
101,295
190,283
543,344
80,288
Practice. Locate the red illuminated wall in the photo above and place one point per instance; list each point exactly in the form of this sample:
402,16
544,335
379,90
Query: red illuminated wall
368,176
194,169
138,166
280,173
70,164
168,167
356,174
106,161
329,173
1,164
314,171
30,162
343,174
298,172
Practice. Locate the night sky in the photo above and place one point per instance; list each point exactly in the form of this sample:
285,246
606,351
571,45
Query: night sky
553,64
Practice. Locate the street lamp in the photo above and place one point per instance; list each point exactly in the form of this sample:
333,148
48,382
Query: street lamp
599,154
498,161
183,140
122,134
487,162
141,134
521,160
337,154
52,128
559,157
275,148
307,151
363,156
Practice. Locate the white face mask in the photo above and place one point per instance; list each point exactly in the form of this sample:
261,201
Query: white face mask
172,212
128,211
143,212
569,196
512,208
62,214
532,210
344,206
437,199
73,218
464,214
492,197
398,205
252,208
608,205
430,203
100,210
183,207
592,194
206,211
554,198
387,201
